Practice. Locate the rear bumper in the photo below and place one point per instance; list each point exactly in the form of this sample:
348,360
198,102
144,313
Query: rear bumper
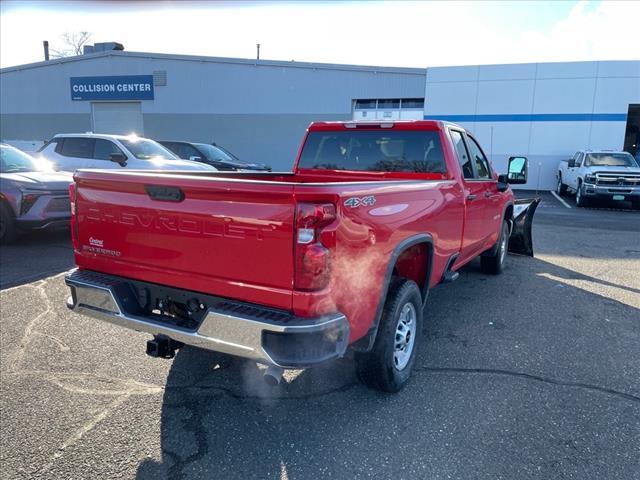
264,335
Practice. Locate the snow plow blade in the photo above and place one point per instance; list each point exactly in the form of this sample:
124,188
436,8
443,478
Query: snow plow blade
520,241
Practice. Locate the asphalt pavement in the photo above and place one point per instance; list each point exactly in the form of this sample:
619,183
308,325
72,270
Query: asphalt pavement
533,374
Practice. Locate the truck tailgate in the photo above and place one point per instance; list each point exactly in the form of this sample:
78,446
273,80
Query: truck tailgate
226,237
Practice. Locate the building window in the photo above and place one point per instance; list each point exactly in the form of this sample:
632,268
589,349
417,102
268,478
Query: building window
366,104
388,104
388,109
412,103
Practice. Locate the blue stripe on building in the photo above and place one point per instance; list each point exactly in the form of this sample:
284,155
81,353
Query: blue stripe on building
533,117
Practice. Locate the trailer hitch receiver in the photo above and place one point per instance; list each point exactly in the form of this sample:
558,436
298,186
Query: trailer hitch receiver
162,347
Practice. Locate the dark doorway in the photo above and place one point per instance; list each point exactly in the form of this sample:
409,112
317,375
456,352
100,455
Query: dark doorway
632,133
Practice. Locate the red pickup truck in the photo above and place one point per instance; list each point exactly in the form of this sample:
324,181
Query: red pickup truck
290,269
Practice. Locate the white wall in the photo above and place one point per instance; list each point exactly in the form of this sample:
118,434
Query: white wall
545,111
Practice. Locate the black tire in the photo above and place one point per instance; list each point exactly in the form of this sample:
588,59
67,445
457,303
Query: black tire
378,368
494,263
8,230
635,204
561,189
581,200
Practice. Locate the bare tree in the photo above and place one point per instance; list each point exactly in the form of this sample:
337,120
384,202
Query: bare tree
73,44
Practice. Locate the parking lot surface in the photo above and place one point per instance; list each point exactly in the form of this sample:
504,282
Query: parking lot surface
531,374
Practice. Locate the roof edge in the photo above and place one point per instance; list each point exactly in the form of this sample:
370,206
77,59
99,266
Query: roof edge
229,60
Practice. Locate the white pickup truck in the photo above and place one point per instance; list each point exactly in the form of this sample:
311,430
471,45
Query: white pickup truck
600,174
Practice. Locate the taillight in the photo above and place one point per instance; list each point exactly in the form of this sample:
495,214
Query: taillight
313,260
75,237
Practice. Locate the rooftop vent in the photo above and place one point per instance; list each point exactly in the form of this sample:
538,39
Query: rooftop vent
102,47
160,78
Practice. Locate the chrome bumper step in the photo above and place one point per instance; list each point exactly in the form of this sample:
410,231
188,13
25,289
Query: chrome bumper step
250,331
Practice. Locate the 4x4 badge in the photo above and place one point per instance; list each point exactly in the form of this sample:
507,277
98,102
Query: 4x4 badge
354,202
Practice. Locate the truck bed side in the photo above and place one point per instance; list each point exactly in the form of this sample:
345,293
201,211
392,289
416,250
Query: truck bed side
377,222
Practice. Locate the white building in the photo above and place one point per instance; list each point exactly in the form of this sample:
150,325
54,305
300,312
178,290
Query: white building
545,111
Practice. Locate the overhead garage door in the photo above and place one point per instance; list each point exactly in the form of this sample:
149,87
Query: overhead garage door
117,117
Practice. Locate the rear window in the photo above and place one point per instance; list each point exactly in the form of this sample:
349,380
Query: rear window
374,151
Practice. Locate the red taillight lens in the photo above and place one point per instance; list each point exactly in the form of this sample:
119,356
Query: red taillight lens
75,238
311,215
313,267
313,260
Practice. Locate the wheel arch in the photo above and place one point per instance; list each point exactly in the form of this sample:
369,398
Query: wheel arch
425,241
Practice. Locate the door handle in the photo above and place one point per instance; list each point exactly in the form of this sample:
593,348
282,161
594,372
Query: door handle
471,197
487,194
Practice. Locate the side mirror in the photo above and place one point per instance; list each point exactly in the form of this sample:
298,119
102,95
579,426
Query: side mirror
195,158
571,163
517,170
120,158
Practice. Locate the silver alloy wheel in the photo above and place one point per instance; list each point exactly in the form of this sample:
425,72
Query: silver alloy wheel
579,194
503,248
405,336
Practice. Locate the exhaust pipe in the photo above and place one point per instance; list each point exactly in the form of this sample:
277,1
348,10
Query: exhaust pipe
273,375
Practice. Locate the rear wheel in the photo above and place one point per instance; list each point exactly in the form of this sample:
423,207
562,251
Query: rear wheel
561,188
388,365
7,225
494,264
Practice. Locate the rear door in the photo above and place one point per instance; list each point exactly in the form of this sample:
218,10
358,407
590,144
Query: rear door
489,199
226,237
475,228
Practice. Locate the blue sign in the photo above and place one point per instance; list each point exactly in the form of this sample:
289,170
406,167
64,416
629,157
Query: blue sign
122,87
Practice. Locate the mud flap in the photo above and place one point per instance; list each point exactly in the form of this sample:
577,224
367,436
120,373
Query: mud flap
520,241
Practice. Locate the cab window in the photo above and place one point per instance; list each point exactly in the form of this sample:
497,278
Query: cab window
483,170
463,156
104,148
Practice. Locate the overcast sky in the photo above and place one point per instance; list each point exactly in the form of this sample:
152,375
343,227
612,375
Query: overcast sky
408,34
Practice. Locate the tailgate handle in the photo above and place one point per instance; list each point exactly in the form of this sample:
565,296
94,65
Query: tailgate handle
164,193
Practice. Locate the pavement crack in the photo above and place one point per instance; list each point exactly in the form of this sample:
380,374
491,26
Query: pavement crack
528,376
61,345
196,425
15,359
66,381
239,396
83,430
